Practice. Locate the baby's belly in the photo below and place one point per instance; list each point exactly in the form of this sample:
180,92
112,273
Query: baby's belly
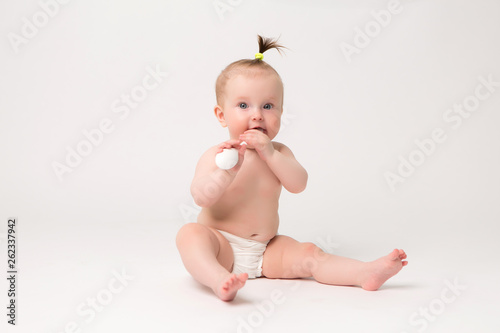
258,224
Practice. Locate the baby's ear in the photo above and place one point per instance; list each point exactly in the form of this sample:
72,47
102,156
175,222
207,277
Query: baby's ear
220,115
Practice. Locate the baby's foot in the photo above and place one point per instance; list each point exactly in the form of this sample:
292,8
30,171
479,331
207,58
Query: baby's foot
383,268
229,286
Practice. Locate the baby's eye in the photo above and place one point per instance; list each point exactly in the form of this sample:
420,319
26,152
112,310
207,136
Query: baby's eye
268,106
243,105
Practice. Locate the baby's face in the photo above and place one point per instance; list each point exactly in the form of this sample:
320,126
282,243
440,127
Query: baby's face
252,100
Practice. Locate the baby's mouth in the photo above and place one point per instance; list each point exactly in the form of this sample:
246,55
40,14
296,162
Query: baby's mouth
263,130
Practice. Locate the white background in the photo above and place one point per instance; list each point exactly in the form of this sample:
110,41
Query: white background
348,119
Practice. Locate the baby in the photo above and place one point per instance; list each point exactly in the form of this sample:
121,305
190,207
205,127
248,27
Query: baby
236,235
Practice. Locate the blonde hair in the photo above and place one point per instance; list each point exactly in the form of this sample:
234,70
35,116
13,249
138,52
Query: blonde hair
235,68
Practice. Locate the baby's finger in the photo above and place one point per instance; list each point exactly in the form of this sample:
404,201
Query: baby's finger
241,150
229,144
235,143
222,146
249,137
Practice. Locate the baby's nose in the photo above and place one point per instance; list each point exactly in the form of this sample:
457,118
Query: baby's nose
257,115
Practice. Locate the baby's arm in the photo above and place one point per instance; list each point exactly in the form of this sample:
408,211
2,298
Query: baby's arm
210,182
280,160
291,174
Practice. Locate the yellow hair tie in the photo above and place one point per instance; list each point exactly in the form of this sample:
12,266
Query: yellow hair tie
259,56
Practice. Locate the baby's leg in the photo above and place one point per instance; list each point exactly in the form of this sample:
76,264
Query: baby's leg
287,258
208,257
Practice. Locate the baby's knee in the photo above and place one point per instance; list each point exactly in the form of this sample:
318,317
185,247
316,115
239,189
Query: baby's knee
308,262
187,231
310,250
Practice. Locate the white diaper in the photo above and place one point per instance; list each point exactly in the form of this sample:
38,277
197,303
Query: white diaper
248,255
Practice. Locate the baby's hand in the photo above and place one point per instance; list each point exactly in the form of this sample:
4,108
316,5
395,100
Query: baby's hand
231,144
258,141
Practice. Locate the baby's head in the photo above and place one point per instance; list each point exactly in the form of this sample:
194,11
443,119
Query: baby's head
248,67
250,91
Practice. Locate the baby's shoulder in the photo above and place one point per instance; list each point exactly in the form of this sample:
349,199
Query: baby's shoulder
208,155
280,146
277,145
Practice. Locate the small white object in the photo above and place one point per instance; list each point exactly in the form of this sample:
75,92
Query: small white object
227,159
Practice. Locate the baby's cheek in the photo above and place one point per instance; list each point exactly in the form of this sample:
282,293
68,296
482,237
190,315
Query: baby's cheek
275,121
